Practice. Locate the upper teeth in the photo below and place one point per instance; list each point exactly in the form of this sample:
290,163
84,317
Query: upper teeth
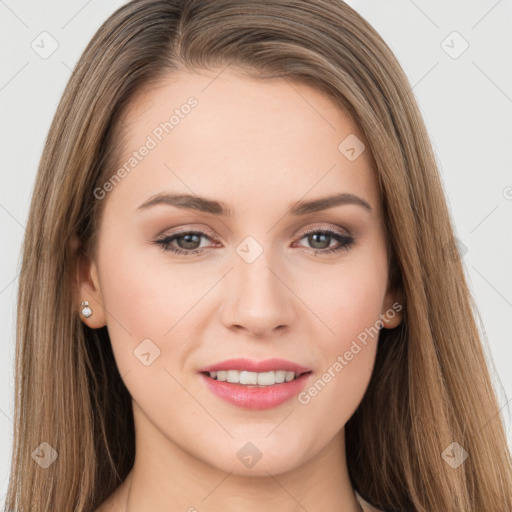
255,378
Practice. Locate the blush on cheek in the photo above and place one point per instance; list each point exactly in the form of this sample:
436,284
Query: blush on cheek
357,320
352,354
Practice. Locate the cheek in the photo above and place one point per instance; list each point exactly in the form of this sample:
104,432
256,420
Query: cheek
347,360
147,318
350,307
349,303
147,297
135,302
359,308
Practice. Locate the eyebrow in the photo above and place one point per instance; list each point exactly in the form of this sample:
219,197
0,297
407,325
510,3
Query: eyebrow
202,204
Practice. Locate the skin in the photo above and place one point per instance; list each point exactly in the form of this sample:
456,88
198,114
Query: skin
259,147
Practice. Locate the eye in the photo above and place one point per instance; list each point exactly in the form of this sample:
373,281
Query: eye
320,239
188,243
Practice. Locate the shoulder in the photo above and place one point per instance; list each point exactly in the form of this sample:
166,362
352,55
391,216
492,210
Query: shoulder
104,507
116,501
109,505
366,506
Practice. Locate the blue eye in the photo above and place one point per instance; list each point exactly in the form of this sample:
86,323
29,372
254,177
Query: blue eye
187,241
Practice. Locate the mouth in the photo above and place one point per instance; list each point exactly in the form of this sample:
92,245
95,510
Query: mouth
253,384
256,390
255,379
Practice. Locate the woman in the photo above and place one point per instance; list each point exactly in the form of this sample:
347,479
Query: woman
240,288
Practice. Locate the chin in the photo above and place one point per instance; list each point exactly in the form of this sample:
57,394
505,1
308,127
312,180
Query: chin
258,458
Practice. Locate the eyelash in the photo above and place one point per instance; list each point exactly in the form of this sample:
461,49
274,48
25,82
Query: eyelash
345,241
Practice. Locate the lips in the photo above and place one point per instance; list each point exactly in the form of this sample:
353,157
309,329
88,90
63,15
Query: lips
256,397
267,365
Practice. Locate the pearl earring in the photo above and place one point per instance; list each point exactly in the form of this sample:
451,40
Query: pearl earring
86,310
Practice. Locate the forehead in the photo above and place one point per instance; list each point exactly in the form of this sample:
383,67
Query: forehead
215,134
230,100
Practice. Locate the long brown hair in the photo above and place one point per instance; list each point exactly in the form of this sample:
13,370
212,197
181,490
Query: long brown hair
431,385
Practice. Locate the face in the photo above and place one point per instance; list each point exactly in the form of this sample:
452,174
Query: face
257,268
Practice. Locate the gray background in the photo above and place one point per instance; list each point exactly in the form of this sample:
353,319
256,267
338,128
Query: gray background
466,100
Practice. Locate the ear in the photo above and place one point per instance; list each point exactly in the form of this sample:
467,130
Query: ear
88,287
392,309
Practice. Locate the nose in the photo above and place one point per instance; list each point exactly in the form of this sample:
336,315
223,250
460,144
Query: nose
258,300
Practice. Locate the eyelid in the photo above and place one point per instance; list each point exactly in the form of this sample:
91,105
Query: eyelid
190,228
324,227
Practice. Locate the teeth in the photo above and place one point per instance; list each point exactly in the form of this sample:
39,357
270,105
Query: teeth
253,378
248,378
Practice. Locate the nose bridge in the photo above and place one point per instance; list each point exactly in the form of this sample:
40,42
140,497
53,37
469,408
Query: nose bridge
259,301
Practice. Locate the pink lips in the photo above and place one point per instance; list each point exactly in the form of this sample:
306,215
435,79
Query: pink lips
256,397
268,365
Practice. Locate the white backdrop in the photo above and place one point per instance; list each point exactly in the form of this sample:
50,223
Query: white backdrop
456,54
